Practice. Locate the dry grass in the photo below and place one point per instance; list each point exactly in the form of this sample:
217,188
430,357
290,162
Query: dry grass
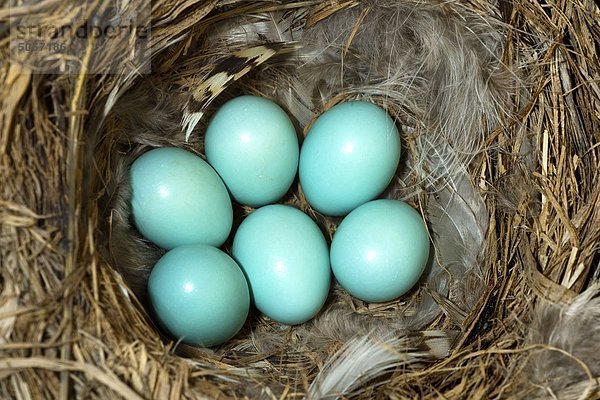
69,329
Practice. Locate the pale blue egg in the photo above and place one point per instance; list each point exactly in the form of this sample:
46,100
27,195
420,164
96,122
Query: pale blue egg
199,294
285,258
349,156
178,199
380,250
252,144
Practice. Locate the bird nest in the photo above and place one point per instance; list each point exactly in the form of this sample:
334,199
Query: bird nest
498,104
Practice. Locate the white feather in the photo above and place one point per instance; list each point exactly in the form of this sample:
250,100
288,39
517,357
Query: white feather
359,361
569,335
364,358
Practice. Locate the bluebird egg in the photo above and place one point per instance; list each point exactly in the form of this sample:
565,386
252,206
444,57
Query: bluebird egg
178,199
286,260
199,294
252,144
380,250
348,157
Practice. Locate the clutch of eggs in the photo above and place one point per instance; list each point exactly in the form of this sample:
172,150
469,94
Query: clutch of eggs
280,262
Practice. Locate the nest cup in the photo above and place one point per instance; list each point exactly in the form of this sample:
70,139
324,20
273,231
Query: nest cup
498,115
